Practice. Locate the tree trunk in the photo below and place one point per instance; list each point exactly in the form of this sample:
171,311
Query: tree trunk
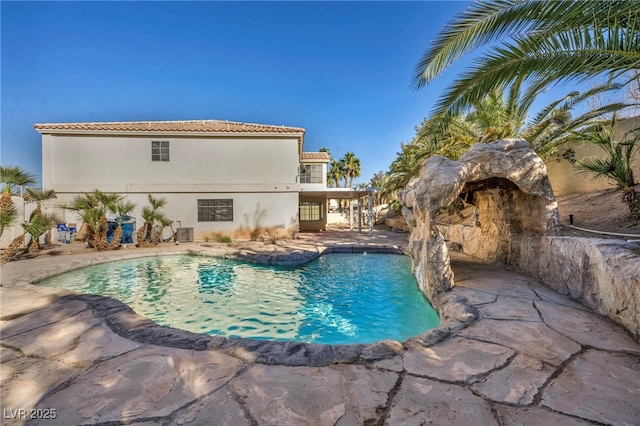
116,242
14,248
632,198
6,204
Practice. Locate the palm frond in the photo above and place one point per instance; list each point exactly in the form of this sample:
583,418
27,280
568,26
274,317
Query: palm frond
554,42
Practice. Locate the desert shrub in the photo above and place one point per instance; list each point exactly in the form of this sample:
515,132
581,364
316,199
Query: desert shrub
224,239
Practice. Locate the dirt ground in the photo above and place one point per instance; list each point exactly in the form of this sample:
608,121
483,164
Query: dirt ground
600,211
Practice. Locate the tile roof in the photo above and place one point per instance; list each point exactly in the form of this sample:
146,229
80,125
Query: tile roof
187,126
316,156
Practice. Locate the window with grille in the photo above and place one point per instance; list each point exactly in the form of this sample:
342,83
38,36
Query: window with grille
159,150
216,210
310,211
313,174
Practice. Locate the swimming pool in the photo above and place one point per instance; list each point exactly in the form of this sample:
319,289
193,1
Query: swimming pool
336,299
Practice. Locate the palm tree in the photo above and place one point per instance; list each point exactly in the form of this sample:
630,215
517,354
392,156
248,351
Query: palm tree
10,177
378,181
38,225
121,208
498,115
152,216
351,167
540,42
334,174
40,196
616,165
8,215
92,208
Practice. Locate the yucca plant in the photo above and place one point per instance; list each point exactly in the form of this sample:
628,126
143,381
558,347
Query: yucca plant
616,165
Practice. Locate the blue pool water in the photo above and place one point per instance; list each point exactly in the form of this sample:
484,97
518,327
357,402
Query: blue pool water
336,299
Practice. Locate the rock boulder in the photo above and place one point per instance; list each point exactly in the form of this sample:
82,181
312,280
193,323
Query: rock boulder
505,181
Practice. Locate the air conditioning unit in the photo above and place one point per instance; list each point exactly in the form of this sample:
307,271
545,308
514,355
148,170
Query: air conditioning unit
184,235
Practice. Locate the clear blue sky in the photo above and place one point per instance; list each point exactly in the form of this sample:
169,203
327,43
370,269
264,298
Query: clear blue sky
341,70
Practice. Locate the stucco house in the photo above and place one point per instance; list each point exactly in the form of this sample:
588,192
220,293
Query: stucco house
218,177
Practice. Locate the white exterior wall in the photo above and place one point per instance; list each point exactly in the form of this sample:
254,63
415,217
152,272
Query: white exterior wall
263,212
316,186
260,175
122,164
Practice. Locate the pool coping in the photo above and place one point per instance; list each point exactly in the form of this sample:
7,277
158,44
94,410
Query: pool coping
454,311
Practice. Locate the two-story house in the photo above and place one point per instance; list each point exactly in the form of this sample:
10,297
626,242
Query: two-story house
218,177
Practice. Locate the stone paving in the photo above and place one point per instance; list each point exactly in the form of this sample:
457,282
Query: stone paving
509,352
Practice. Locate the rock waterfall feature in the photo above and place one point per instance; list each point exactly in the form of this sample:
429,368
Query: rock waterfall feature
507,183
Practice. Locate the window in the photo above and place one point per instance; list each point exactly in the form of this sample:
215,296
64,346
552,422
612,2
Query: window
218,210
313,174
310,211
159,150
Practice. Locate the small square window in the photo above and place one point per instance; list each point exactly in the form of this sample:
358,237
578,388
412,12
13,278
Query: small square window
159,150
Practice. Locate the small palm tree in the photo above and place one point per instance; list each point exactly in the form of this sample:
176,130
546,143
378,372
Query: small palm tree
616,165
8,215
10,177
40,196
152,216
121,209
38,225
92,208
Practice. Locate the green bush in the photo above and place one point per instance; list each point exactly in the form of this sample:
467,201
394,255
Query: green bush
224,239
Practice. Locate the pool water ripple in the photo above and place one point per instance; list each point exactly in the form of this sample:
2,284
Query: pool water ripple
337,298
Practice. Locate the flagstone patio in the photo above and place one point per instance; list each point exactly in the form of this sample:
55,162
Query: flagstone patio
509,352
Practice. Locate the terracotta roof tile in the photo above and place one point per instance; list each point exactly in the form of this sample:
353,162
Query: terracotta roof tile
316,156
190,126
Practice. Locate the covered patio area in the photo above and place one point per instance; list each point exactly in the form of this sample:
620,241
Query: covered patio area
314,207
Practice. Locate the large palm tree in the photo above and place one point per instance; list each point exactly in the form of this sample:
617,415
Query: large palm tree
498,115
10,177
351,167
335,173
540,42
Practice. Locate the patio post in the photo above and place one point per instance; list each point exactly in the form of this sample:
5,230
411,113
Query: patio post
360,214
371,213
350,214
